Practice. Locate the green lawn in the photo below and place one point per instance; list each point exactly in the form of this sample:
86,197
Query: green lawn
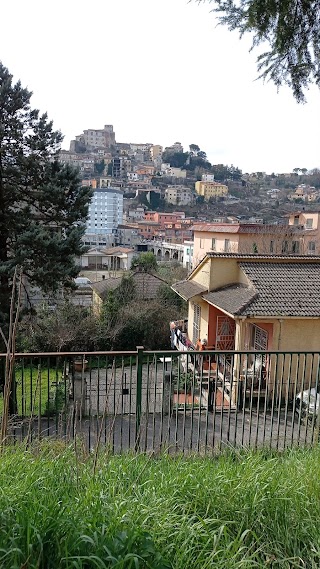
241,511
33,388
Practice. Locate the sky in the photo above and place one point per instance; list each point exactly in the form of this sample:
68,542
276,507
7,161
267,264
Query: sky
160,71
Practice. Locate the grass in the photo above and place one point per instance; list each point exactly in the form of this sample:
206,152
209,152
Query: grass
246,510
34,391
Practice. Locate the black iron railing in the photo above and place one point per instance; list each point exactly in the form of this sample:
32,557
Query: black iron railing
177,401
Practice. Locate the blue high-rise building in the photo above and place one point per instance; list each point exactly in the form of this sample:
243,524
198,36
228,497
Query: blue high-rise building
105,211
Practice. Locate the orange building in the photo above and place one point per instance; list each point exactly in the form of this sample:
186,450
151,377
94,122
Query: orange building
163,217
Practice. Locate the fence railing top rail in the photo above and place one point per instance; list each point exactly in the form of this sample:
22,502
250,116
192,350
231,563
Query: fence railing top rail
69,354
176,353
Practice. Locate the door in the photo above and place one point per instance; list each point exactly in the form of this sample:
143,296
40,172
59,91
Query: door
225,333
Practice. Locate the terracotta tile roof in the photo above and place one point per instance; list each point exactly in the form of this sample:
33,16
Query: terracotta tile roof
188,289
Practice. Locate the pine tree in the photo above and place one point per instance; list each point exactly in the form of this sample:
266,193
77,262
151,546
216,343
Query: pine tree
291,29
42,205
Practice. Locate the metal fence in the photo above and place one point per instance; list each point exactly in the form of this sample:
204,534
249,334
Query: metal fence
174,401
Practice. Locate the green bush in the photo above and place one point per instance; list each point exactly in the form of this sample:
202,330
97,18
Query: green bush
56,401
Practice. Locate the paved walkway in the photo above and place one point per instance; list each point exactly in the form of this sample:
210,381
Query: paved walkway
108,414
182,431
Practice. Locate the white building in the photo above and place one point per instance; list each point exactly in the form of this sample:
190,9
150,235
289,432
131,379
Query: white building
188,255
135,214
207,178
105,211
115,258
179,195
167,170
132,176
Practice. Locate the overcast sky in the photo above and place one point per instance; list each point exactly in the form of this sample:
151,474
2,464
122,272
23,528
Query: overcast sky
160,71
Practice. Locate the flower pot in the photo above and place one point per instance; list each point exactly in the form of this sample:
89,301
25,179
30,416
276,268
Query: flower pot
184,398
80,365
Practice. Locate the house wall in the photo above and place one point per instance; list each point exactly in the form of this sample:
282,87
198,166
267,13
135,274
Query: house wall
213,313
204,318
259,242
300,335
96,303
220,273
289,374
203,243
93,260
202,275
225,272
264,243
303,216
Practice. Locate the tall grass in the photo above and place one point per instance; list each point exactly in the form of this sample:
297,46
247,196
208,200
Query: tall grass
239,511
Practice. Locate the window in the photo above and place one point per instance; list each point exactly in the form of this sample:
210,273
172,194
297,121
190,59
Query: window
259,339
271,246
311,247
196,323
254,248
295,247
259,343
213,244
201,243
285,247
227,247
309,223
296,221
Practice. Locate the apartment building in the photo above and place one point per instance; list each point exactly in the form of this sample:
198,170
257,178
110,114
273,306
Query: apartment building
207,177
164,217
308,225
211,189
156,152
105,211
179,195
245,238
171,172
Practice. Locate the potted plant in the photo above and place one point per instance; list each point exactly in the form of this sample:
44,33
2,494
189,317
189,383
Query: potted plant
183,387
80,364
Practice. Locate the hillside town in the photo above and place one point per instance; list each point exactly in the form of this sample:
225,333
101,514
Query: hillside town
177,205
160,300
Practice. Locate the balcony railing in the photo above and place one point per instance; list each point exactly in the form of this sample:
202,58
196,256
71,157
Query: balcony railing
177,401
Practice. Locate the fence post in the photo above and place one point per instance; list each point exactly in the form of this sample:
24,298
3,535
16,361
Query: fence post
139,394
